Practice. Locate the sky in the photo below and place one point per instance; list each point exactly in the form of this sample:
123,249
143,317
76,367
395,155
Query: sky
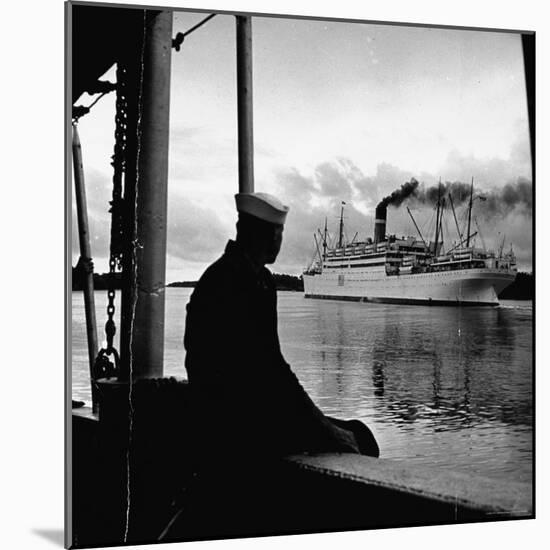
342,112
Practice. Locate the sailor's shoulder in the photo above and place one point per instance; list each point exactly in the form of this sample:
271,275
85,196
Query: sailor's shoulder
267,277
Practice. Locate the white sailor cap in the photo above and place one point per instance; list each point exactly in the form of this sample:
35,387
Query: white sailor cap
263,206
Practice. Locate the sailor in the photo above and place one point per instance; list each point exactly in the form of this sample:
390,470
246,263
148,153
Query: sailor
245,395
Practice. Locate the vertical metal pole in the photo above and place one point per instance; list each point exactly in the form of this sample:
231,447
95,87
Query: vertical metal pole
149,277
244,104
528,47
86,255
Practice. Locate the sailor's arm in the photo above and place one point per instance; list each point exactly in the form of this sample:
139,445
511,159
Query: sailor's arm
296,407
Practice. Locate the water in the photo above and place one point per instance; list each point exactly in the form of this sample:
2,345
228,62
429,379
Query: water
442,386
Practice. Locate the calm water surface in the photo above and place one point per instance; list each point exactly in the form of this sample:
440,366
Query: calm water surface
443,386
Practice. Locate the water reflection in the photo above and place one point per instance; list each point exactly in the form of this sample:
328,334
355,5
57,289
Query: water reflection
378,378
452,381
424,364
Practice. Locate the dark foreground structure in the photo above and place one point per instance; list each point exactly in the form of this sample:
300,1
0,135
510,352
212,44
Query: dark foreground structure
251,497
132,474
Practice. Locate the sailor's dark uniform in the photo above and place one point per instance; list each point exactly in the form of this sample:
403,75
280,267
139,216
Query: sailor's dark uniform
245,395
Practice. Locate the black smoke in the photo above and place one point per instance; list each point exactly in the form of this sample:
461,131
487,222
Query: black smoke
499,201
457,190
399,195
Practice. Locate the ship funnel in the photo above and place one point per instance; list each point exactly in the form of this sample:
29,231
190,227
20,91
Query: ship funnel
380,223
395,199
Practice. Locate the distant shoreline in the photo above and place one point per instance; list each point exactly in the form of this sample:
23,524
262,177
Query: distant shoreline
182,284
101,281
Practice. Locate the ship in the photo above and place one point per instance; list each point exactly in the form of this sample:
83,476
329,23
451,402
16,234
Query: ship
409,270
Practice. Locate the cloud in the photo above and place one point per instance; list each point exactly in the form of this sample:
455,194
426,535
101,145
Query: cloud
195,232
99,235
98,194
334,179
488,172
507,209
205,155
312,198
180,133
520,154
99,187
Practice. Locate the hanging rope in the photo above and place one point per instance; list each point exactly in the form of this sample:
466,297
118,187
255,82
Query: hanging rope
102,87
180,37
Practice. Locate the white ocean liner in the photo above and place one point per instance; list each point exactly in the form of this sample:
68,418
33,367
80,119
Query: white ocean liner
407,270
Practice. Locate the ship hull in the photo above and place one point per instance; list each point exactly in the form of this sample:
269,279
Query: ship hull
473,287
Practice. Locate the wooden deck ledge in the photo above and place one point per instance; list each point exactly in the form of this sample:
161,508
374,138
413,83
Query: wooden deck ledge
482,494
388,488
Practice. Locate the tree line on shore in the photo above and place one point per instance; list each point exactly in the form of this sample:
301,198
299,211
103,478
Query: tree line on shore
523,288
101,281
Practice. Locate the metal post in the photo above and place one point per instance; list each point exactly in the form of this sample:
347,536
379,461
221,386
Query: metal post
244,104
149,263
86,255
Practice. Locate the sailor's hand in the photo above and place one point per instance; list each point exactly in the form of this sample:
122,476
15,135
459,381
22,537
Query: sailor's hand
87,265
346,441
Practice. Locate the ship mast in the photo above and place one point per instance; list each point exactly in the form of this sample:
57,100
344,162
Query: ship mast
470,213
442,209
341,240
501,249
461,242
325,241
437,216
414,221
317,246
480,235
456,221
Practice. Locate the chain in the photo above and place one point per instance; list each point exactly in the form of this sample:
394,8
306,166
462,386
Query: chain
103,366
119,165
110,326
